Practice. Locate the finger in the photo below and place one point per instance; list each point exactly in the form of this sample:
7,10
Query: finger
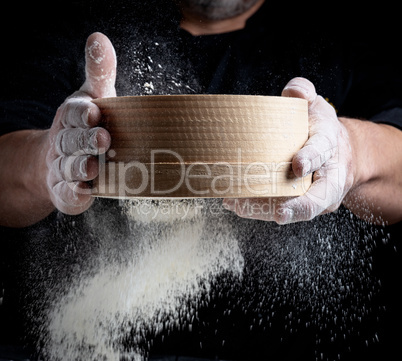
300,88
76,168
100,68
80,112
71,198
322,144
318,150
254,208
324,193
78,141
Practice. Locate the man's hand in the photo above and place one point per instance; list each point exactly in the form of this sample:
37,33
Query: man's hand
41,170
75,139
327,154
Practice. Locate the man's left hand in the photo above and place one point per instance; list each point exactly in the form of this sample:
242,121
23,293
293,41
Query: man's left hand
327,154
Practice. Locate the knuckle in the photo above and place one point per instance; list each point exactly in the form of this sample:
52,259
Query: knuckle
67,169
56,165
60,142
91,140
78,141
77,112
308,211
78,168
60,111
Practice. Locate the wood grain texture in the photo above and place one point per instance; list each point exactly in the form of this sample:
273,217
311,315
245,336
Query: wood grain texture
202,146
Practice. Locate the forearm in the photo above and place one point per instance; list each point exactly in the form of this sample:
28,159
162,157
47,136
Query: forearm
377,152
24,198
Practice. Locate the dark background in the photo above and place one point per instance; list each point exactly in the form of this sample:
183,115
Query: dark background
23,25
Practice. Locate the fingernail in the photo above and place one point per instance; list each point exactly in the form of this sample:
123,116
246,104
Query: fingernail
298,87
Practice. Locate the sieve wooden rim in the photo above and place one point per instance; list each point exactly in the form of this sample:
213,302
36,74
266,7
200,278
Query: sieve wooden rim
217,136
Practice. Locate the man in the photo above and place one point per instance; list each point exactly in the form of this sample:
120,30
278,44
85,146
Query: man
44,186
354,162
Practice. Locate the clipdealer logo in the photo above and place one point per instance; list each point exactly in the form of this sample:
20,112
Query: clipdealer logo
200,179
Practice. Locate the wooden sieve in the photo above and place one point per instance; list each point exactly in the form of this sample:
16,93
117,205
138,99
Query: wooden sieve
202,146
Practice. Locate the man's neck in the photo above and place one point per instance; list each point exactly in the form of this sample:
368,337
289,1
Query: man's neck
198,26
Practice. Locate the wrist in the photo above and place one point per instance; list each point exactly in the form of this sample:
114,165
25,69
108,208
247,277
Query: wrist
376,191
363,169
23,173
34,169
41,170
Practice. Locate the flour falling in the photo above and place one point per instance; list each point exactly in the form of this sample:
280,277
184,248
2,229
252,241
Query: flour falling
122,280
169,262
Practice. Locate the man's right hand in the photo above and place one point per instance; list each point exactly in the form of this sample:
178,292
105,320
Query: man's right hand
75,139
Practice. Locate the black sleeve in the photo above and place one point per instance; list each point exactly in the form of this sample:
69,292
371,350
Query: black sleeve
44,61
391,116
375,91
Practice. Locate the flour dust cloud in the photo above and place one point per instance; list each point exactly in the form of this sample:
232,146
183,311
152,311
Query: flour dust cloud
127,277
170,259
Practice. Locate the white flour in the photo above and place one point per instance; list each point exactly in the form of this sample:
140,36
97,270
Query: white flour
109,287
98,294
163,210
172,262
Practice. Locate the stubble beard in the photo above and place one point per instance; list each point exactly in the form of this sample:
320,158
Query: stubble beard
217,9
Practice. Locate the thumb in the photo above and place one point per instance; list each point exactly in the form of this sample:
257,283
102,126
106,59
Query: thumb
300,88
100,67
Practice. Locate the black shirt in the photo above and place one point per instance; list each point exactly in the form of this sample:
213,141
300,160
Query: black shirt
318,290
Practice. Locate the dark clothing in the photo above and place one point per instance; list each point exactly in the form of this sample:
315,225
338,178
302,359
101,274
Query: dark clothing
343,303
